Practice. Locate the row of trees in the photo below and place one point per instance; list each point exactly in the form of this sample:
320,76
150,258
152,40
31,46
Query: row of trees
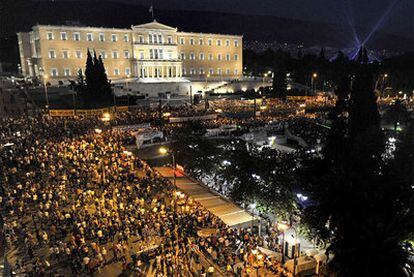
363,202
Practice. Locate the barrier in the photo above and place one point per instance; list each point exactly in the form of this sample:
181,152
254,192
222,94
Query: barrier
192,118
87,112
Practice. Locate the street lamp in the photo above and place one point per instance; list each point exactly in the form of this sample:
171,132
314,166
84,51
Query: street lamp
106,117
281,226
45,78
164,151
314,76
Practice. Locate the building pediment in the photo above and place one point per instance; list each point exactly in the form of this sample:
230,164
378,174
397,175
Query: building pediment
154,26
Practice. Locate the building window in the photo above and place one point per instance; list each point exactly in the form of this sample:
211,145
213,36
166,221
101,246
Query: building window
66,72
89,37
141,39
210,56
127,71
161,54
160,40
54,72
103,54
192,56
192,71
218,71
228,71
210,42
182,56
169,40
116,71
76,36
236,57
227,57
52,54
155,38
126,54
201,41
227,42
65,54
50,36
211,71
101,37
183,71
149,38
236,72
115,54
151,54
63,36
126,38
191,41
201,71
182,41
218,42
78,54
219,57
114,38
141,55
202,56
236,43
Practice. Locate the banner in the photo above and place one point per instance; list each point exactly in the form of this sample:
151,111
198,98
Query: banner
87,112
193,118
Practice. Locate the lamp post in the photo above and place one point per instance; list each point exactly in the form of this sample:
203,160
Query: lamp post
281,226
165,151
314,76
45,78
206,85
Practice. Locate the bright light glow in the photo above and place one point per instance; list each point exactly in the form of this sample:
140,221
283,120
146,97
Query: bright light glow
45,77
301,197
128,153
98,131
163,150
392,140
219,111
226,162
282,226
385,75
287,74
265,75
106,117
253,206
315,75
263,107
167,114
400,92
257,177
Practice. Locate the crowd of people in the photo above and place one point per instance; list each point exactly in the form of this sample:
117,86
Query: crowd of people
75,201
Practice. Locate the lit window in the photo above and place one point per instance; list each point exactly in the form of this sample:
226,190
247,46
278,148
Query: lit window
236,72
78,54
66,72
116,71
219,57
114,37
218,71
227,57
52,54
127,71
50,36
210,56
76,36
65,54
211,71
101,37
54,72
126,54
192,71
236,57
227,42
218,42
202,56
182,56
89,37
115,54
201,71
236,43
126,38
63,36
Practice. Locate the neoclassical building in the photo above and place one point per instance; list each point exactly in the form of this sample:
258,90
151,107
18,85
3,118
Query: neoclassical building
151,52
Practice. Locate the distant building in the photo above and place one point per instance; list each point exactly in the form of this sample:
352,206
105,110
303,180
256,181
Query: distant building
151,52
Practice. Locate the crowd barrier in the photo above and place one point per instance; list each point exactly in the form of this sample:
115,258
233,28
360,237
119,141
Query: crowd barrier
86,112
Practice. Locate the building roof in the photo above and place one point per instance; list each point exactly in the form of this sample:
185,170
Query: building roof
154,25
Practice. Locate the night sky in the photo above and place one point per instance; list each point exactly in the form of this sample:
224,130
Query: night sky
400,19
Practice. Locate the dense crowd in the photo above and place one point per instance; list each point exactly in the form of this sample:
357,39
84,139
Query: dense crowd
75,201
